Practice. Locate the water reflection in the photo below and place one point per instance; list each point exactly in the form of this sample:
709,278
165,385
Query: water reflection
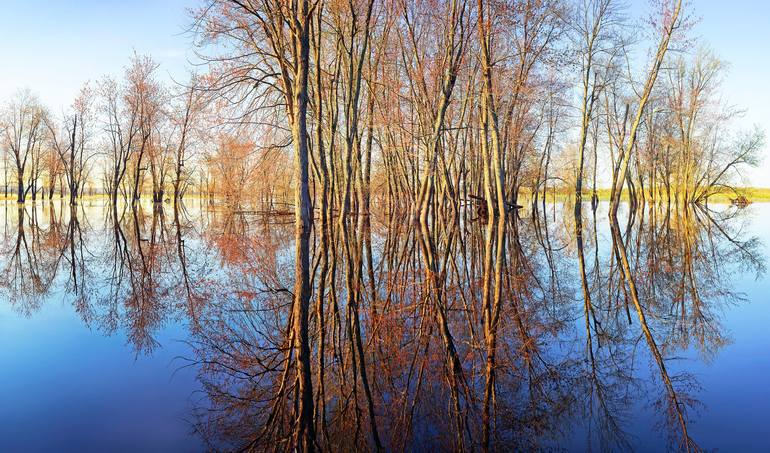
548,329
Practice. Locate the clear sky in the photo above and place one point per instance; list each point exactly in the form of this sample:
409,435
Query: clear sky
53,46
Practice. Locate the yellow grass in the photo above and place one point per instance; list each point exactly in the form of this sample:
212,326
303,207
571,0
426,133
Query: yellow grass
752,193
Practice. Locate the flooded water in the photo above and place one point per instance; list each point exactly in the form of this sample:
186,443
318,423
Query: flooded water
147,330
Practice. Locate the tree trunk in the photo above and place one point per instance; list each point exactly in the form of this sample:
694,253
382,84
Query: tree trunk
303,221
20,188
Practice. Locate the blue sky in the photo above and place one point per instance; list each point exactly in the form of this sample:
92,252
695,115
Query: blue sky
53,46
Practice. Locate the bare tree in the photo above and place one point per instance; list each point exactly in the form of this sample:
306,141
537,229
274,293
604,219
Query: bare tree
70,139
22,128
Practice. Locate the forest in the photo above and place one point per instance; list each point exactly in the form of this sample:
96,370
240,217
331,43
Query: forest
435,123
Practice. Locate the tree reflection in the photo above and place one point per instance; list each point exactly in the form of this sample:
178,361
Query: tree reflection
28,269
445,332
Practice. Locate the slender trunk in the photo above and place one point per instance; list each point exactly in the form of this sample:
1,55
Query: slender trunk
303,223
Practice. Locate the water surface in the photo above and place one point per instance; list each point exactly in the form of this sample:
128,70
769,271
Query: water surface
162,330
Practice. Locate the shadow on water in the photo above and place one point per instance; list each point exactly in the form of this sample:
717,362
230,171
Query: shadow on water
551,329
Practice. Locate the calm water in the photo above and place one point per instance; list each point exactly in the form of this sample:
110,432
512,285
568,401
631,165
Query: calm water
161,332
